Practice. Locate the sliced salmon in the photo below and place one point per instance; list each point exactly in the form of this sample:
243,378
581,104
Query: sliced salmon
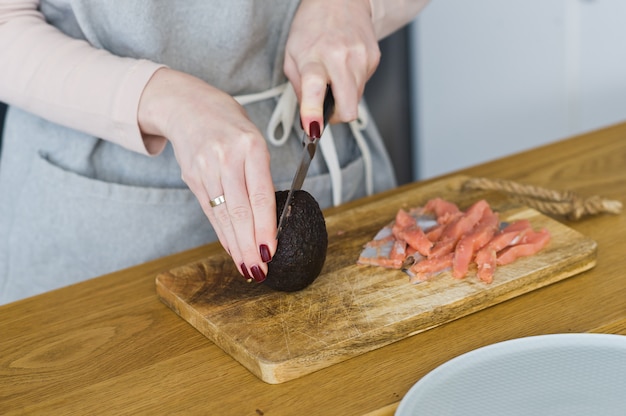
398,253
410,260
377,252
486,265
442,247
509,234
434,233
425,241
425,269
406,228
464,223
404,219
473,241
531,243
487,256
445,211
452,232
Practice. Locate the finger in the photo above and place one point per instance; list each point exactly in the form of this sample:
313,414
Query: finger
239,208
207,207
347,92
226,239
199,189
314,80
263,201
348,77
218,215
216,209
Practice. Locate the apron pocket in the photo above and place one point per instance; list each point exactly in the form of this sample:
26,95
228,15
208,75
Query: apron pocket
68,227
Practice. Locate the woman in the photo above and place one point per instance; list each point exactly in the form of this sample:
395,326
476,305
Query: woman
131,123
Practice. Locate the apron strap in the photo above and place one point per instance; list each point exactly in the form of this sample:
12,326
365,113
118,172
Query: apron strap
281,124
329,152
282,118
358,126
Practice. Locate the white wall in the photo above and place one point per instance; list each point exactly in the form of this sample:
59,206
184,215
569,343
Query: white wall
602,63
495,77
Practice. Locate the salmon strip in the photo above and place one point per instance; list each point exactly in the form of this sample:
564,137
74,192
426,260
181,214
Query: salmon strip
442,247
509,234
427,268
406,228
434,233
415,238
519,225
377,252
411,259
404,219
453,231
398,253
485,265
531,243
428,240
385,262
467,221
473,241
445,211
381,253
486,257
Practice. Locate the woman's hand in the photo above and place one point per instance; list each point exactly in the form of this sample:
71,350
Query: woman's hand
331,42
220,152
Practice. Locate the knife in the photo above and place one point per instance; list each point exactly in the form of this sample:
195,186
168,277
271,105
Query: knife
310,145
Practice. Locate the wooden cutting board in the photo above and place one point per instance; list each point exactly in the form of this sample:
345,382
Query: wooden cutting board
351,309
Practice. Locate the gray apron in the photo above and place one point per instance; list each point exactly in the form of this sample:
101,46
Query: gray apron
73,206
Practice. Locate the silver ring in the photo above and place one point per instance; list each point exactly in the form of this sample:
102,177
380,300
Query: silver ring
217,201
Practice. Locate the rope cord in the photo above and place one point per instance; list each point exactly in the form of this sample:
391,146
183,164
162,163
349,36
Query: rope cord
565,203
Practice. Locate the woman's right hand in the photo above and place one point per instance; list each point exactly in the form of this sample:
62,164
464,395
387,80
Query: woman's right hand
220,152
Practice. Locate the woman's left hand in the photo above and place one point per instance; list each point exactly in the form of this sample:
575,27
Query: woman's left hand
331,42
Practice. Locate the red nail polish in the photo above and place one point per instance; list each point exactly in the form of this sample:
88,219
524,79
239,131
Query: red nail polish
258,274
265,253
314,130
244,270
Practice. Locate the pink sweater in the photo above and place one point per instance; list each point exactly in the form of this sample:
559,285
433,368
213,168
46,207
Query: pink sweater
69,82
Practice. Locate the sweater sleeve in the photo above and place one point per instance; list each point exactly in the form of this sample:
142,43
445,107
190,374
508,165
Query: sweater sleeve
390,15
70,82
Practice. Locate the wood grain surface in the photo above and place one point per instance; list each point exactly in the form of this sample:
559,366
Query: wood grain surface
108,346
351,309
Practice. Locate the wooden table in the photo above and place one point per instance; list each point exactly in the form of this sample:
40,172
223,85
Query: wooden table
108,346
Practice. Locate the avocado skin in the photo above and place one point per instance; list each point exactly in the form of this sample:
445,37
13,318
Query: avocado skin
302,245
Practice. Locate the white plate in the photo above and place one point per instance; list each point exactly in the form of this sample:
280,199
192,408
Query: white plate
560,374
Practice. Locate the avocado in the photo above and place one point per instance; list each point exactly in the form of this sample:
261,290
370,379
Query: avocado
302,243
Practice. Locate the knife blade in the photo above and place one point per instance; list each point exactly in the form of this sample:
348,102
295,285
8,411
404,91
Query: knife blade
310,146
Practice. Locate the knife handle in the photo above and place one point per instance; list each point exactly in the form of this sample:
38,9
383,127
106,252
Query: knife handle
329,104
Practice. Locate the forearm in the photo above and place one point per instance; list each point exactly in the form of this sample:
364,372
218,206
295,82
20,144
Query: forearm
390,15
68,81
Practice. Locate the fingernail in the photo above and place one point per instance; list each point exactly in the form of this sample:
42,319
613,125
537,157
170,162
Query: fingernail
265,253
258,274
244,269
314,130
